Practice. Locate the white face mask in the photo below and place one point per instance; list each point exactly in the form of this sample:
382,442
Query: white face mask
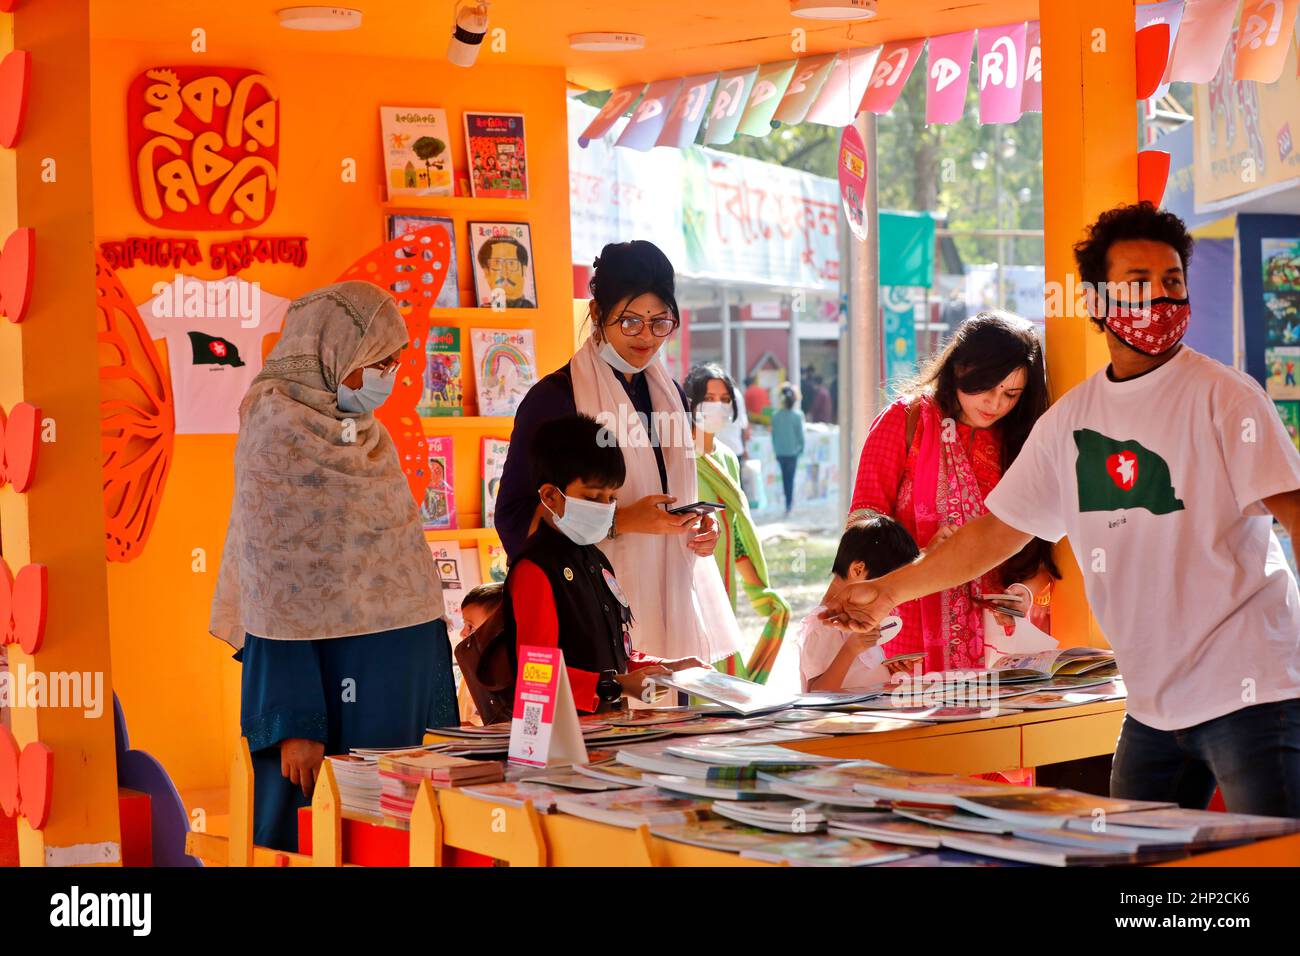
374,391
619,363
712,416
583,522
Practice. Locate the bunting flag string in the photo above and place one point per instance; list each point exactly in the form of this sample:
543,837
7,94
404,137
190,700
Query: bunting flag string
832,88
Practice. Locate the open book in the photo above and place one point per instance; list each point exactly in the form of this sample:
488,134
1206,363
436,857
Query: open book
1070,661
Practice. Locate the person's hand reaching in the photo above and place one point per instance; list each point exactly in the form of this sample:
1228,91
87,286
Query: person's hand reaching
858,607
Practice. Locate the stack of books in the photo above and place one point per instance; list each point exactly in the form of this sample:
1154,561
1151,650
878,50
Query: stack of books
632,808
357,777
401,772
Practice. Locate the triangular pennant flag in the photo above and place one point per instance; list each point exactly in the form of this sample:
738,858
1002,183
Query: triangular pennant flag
1002,64
1202,36
1031,94
807,82
729,98
947,73
688,112
765,97
649,116
841,95
619,102
1263,39
893,67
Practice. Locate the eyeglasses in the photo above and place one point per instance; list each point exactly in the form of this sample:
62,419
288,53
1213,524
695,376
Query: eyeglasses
631,325
508,266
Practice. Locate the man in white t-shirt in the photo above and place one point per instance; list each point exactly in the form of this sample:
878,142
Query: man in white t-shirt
1165,470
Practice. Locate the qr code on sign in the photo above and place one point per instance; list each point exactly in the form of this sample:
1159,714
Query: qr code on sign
532,717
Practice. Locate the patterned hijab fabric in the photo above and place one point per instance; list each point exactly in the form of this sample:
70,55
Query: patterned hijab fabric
324,538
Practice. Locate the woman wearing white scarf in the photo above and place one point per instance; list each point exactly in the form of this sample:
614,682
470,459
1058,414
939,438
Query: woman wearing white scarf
679,604
327,588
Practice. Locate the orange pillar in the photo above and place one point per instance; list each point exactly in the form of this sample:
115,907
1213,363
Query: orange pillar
51,361
1089,165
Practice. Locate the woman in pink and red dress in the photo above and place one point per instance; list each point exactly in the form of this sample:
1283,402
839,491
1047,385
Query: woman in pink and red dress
932,456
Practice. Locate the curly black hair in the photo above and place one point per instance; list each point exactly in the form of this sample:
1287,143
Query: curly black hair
1141,220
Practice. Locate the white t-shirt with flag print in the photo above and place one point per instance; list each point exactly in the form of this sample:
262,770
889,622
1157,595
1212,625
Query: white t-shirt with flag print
1158,481
214,331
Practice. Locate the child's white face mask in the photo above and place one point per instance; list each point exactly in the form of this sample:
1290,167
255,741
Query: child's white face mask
583,522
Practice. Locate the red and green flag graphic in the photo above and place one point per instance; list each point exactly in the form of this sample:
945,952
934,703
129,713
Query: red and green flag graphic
1115,474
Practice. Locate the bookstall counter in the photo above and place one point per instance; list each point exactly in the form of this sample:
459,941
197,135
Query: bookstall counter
1008,742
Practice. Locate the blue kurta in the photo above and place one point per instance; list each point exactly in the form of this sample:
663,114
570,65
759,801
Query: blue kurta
373,690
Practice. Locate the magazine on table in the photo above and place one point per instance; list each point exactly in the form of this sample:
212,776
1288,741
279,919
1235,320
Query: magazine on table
743,696
722,835
826,851
632,808
1049,808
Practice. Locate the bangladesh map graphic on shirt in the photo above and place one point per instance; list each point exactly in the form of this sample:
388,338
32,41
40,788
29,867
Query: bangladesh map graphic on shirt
1115,474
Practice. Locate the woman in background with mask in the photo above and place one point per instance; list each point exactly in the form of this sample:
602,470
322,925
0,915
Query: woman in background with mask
327,589
679,605
711,397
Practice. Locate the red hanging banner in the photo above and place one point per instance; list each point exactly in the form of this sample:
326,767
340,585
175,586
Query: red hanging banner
895,65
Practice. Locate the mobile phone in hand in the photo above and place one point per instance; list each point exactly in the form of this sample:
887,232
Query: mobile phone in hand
699,508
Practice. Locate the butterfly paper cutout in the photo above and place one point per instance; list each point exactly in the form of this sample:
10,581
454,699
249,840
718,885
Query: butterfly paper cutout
137,421
412,267
18,445
26,779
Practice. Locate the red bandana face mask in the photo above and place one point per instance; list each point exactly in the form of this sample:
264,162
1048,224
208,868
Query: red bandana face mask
1152,329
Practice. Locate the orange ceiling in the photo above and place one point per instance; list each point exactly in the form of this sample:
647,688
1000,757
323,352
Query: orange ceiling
682,36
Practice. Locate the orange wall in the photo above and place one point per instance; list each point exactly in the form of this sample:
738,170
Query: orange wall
178,685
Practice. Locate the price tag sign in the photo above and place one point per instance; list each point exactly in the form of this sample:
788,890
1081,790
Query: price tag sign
544,730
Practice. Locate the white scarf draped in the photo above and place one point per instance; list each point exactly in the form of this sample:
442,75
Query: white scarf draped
679,604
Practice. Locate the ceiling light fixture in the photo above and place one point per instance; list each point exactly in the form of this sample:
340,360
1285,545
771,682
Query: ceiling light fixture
469,27
606,42
319,18
833,9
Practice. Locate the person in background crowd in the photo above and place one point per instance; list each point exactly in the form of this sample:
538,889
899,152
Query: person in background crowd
932,456
1166,469
615,377
327,589
735,431
711,397
788,440
822,407
757,399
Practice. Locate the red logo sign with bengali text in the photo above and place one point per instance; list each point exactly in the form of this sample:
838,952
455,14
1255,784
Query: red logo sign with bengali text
204,146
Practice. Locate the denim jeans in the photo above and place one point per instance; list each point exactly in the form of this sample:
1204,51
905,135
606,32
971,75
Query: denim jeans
1253,754
789,465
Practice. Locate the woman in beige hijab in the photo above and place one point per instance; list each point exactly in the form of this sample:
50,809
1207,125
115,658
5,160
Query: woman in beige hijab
327,588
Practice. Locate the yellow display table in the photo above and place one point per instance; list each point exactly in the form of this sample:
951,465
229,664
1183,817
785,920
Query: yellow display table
520,836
